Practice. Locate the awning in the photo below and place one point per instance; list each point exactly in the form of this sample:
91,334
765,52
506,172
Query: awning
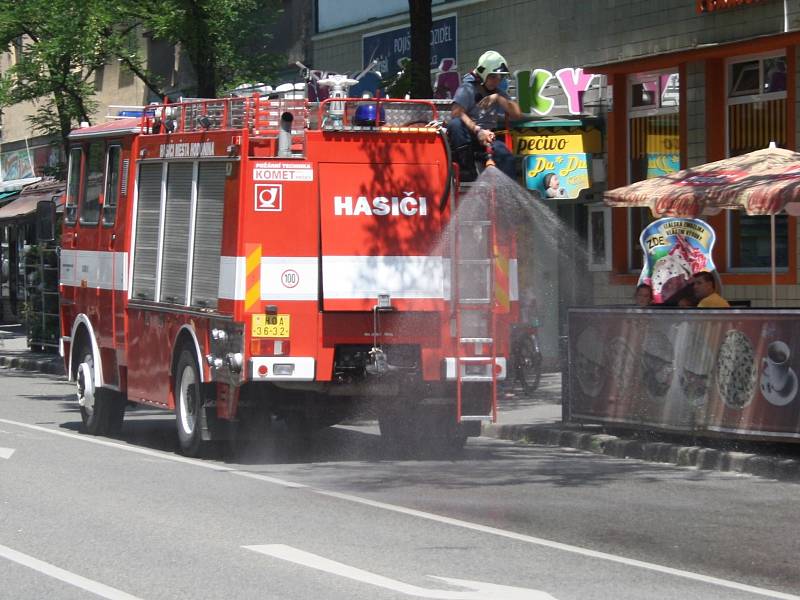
676,56
26,203
763,182
15,185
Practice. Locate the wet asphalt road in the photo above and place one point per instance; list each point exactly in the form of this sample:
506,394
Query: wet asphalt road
82,517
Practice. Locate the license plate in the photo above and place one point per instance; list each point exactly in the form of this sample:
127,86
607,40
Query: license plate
270,326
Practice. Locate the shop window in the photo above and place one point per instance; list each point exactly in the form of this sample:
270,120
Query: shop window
750,245
92,184
653,142
112,185
73,185
756,117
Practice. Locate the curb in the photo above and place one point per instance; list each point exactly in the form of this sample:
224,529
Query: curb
707,459
51,366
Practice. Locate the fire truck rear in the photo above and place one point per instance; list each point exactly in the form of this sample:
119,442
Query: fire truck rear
253,259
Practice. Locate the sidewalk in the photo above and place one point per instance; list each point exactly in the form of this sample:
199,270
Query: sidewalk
15,354
535,420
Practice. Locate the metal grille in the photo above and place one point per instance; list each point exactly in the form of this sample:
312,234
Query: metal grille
148,209
208,234
176,233
125,167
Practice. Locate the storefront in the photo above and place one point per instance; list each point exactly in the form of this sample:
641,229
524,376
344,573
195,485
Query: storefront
687,108
29,267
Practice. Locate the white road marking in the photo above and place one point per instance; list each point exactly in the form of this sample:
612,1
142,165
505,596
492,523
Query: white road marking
94,587
6,452
479,590
421,514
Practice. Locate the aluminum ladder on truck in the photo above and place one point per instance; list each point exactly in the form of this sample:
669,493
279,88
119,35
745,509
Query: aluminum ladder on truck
474,305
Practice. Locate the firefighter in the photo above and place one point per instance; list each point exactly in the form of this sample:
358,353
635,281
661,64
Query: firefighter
478,107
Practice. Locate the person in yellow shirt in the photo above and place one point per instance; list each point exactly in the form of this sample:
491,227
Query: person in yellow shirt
705,290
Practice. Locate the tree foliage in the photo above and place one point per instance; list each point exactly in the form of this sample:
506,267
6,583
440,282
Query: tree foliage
58,45
226,41
419,68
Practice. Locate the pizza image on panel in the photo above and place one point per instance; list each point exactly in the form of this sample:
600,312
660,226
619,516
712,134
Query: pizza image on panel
736,370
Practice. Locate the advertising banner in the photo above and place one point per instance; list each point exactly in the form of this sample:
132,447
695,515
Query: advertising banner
674,250
389,47
687,370
15,165
663,155
557,176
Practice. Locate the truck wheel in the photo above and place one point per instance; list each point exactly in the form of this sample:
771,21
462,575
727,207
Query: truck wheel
188,404
101,411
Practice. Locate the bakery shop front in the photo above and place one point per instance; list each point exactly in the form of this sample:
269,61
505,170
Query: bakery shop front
704,372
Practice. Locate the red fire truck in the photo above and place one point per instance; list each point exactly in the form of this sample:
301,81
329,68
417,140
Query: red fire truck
249,259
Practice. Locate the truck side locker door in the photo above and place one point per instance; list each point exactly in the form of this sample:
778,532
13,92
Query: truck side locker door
112,244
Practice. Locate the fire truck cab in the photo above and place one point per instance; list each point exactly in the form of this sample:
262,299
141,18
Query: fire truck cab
248,259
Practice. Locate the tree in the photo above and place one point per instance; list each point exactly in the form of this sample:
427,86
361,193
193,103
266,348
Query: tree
420,65
226,41
58,45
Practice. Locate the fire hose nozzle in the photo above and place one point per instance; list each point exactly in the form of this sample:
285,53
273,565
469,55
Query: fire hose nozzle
490,156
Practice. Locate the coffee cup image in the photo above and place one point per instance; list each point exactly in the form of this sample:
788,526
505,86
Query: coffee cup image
776,365
778,379
590,362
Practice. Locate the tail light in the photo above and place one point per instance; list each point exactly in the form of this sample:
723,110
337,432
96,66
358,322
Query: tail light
259,347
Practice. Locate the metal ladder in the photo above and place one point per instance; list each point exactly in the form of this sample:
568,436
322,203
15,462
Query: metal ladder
474,307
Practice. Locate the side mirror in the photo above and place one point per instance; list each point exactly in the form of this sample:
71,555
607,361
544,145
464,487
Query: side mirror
45,221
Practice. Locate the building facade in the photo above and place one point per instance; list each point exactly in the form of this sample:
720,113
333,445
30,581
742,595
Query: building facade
679,83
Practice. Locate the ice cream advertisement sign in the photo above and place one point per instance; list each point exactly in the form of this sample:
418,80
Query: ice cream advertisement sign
557,176
674,250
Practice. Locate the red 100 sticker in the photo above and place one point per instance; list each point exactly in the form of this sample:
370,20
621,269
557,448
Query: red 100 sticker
290,278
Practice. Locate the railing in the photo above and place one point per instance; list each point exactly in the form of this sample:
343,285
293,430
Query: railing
382,113
290,116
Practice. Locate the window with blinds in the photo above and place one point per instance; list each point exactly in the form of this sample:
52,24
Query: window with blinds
653,142
148,218
177,226
756,117
208,234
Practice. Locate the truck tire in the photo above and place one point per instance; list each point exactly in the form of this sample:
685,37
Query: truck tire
102,410
188,404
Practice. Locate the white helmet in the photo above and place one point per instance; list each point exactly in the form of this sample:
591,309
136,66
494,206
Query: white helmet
491,62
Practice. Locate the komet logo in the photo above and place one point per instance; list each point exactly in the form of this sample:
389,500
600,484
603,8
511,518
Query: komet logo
268,197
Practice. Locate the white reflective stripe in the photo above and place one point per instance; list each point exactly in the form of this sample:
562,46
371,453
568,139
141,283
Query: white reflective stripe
304,369
450,368
232,273
289,278
367,276
344,277
513,280
98,269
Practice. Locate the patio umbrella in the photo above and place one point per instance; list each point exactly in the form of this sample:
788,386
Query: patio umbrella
763,182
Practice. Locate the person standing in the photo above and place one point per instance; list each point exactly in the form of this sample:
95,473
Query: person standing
643,295
705,290
480,102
